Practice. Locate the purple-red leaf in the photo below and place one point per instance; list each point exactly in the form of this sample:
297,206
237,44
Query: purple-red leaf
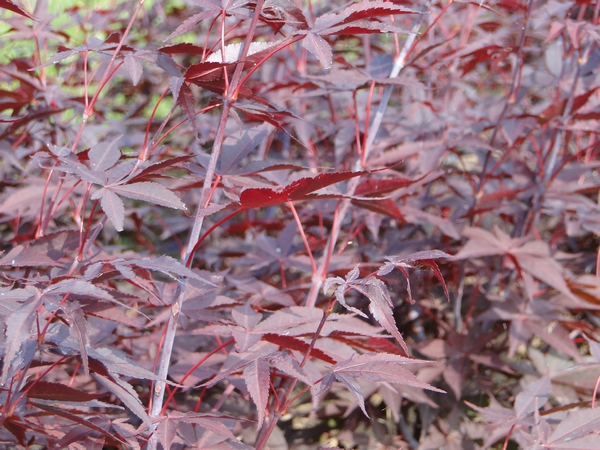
112,205
375,186
256,376
377,367
286,363
182,48
298,190
168,265
209,422
533,397
150,192
579,423
79,330
18,328
45,251
127,394
381,305
104,155
134,68
319,47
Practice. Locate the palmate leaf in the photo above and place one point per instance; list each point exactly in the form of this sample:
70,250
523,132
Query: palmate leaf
381,305
365,9
212,9
422,258
376,187
74,286
150,169
354,19
579,423
44,251
118,364
93,44
210,74
533,397
343,287
364,27
502,420
147,191
291,321
287,364
375,367
168,425
533,257
280,12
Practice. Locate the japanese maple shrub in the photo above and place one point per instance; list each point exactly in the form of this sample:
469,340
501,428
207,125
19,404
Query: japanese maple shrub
250,224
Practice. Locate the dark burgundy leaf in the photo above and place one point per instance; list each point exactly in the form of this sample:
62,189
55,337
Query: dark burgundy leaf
57,392
182,48
438,274
11,6
188,105
292,343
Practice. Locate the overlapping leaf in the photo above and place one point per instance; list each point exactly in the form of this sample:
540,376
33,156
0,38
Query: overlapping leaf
357,18
376,291
373,367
